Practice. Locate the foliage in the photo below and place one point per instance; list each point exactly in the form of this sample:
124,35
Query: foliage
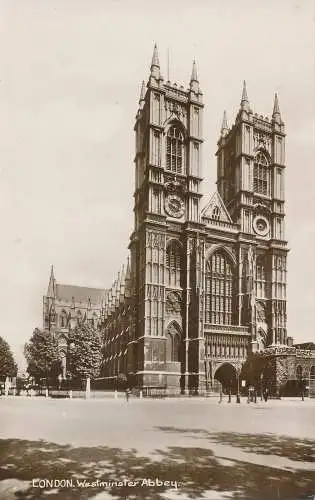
42,355
8,367
85,352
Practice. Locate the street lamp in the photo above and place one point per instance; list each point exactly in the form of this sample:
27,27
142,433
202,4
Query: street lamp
238,372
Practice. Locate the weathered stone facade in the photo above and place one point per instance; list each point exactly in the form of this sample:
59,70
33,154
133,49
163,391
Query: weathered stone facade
65,306
205,288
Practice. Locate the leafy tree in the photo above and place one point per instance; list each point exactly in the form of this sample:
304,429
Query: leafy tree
8,367
42,355
85,352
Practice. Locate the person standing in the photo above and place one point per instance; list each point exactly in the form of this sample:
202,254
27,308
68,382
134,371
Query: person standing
127,392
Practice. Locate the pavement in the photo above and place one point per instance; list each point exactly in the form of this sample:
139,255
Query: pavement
168,448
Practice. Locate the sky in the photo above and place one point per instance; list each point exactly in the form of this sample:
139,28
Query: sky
70,77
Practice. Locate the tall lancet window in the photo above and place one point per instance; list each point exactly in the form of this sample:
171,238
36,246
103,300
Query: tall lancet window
261,278
218,290
173,264
261,174
175,150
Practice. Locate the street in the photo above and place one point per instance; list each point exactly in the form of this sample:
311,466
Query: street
156,449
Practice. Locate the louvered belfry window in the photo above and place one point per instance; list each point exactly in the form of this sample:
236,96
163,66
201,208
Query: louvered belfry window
174,150
173,264
261,175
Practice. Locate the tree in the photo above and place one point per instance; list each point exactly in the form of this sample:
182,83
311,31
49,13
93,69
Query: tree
85,353
42,356
8,367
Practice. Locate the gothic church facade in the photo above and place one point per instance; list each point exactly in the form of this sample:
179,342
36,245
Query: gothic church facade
203,288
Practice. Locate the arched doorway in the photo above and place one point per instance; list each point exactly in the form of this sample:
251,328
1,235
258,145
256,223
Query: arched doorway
173,342
225,375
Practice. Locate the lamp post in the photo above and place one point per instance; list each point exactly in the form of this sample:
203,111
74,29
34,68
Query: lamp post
238,372
261,386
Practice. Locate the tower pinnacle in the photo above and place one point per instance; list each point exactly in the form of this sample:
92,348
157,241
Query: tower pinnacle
224,128
155,65
155,58
142,92
194,82
276,110
244,100
194,77
52,283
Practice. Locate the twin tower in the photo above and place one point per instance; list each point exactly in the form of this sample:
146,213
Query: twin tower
207,286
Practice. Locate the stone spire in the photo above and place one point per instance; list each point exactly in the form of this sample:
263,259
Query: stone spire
194,82
155,57
276,116
244,100
51,292
117,290
128,280
142,94
155,64
224,128
122,284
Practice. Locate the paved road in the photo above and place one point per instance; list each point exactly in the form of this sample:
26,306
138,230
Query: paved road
176,448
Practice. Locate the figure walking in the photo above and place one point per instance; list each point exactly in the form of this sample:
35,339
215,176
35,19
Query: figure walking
127,392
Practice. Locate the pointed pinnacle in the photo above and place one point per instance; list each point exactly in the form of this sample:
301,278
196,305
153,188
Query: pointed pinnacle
194,77
224,123
155,57
142,92
276,109
244,93
52,271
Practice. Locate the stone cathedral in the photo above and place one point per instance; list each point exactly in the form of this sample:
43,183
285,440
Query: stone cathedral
203,288
206,286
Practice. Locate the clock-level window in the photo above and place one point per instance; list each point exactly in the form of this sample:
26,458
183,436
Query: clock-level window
174,150
261,175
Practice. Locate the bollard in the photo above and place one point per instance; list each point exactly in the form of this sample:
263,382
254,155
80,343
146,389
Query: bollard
14,392
116,395
46,393
141,394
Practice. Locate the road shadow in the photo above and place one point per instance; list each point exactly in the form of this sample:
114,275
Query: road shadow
296,449
197,470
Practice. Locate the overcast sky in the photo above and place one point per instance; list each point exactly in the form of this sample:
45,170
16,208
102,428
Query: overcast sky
70,74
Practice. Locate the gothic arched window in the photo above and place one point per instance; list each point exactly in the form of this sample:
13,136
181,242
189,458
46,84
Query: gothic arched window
216,213
261,174
260,278
63,319
174,150
173,264
218,290
173,343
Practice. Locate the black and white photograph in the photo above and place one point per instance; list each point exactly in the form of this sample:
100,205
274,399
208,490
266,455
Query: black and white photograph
157,206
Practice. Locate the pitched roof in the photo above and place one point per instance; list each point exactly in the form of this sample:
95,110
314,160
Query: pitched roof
216,209
80,294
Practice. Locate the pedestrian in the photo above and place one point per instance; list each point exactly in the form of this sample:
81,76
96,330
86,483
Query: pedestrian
127,392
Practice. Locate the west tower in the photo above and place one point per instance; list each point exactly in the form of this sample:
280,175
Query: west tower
250,180
167,196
